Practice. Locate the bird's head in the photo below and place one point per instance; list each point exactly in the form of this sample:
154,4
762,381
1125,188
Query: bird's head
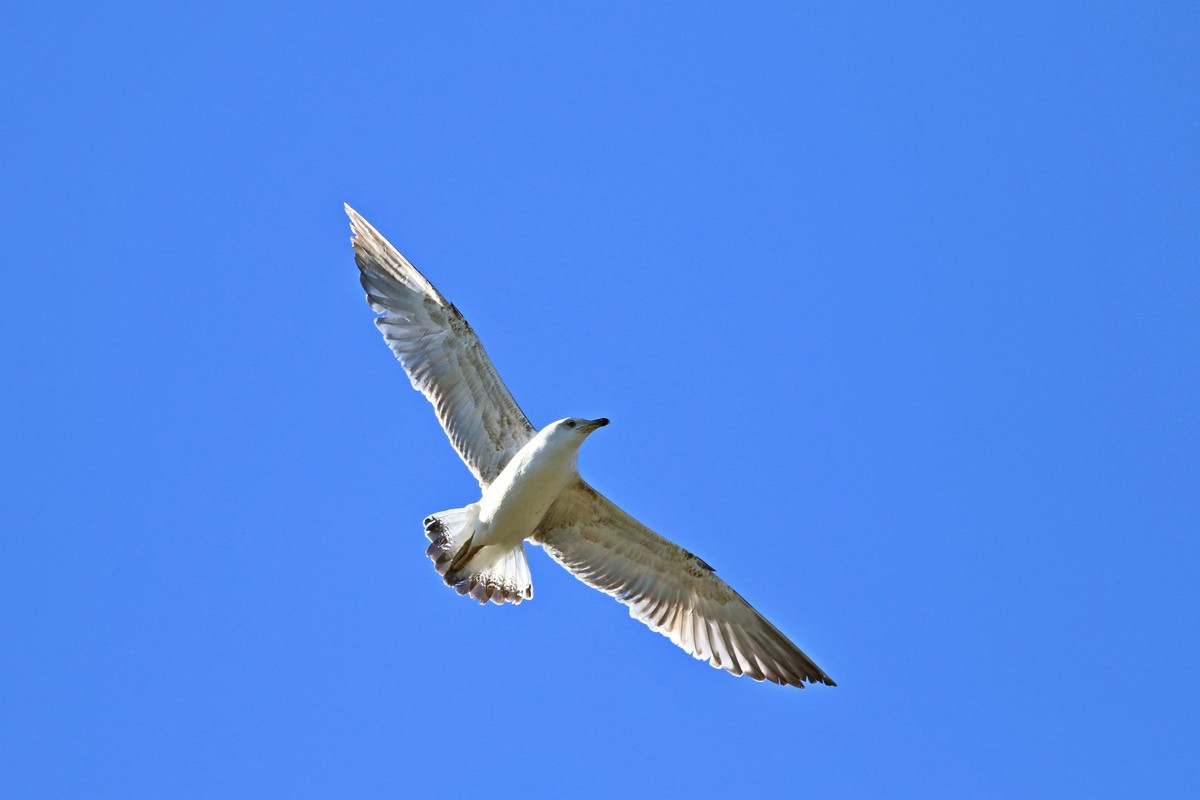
573,430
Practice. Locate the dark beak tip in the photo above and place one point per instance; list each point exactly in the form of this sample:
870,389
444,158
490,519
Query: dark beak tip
602,421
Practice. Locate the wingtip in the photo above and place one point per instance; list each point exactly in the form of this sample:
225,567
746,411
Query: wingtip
802,682
359,227
818,680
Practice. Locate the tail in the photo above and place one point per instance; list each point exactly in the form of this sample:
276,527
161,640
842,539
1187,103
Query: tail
487,572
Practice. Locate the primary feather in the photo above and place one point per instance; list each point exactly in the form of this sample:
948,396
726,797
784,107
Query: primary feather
442,355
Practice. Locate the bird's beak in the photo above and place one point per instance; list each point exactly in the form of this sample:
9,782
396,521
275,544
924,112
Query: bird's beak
591,425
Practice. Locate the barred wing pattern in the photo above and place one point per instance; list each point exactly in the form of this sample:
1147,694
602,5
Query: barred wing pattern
669,589
441,354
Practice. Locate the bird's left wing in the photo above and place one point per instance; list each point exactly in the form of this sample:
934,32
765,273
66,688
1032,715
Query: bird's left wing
669,589
442,355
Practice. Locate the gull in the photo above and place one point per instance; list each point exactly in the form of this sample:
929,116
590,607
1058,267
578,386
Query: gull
531,490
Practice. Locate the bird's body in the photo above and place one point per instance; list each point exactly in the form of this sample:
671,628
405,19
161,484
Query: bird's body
480,549
530,489
514,504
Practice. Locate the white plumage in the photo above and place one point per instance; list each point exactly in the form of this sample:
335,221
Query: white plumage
531,489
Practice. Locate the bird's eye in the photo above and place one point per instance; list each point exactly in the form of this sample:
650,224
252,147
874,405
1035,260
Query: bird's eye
570,423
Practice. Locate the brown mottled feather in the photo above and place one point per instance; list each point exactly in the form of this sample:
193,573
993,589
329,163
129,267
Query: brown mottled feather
441,354
669,589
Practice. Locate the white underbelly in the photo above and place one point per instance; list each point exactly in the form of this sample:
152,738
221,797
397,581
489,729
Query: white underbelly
513,506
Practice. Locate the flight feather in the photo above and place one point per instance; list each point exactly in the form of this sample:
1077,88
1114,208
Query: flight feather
668,589
442,355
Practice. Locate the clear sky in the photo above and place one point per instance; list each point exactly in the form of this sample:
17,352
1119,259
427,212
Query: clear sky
895,311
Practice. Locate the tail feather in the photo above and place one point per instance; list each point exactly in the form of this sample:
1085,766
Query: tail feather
487,572
448,531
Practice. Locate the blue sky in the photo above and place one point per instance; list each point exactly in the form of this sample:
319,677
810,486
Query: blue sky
894,310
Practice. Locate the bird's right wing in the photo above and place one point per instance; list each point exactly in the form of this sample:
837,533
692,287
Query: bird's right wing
669,589
442,355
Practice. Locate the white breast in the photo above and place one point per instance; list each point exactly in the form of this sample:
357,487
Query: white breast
514,504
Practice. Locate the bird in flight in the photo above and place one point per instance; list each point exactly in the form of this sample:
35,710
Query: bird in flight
531,490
